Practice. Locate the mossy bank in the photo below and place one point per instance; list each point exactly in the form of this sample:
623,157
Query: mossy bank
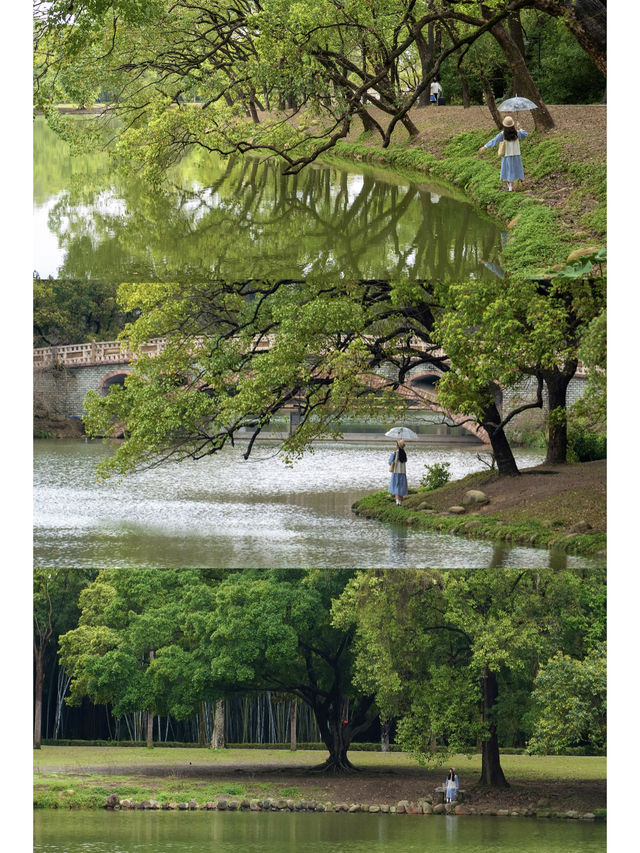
549,506
560,207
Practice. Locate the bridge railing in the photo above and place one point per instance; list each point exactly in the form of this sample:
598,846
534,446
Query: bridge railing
96,352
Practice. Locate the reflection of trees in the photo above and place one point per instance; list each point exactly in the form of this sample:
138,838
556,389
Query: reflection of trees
239,218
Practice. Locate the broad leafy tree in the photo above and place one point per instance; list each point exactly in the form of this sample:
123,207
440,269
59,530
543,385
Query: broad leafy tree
504,331
441,649
126,617
239,352
570,703
167,640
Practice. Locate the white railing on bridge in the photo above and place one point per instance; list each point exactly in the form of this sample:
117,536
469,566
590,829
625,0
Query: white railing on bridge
96,352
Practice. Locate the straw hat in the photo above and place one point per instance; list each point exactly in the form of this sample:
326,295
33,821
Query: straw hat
508,122
400,443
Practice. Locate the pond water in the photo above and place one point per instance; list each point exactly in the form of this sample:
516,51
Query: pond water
228,832
223,512
239,218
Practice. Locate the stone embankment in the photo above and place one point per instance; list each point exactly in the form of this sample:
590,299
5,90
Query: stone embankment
421,807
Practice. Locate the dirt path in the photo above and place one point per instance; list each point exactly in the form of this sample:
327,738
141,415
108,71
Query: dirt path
555,493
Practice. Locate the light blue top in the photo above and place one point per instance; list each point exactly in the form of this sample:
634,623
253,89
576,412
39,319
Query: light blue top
522,134
511,168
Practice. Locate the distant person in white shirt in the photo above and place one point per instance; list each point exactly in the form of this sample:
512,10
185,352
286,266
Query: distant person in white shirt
436,92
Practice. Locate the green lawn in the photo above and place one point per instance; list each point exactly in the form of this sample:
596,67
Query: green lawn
522,767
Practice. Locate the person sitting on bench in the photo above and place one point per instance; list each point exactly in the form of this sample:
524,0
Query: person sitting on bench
451,785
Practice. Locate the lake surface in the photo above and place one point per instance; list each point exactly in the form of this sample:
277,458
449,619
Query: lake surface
229,832
223,512
240,218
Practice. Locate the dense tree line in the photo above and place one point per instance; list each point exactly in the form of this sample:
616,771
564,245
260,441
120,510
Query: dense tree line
457,658
287,78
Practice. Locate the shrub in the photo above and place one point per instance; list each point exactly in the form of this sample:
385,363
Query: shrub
437,475
587,446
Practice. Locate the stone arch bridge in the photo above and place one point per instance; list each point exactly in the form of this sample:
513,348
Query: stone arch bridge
64,374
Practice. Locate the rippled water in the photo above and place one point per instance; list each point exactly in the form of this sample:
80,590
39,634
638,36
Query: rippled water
224,512
229,832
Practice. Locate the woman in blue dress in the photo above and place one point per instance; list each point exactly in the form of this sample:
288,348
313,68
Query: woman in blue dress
398,485
511,167
451,785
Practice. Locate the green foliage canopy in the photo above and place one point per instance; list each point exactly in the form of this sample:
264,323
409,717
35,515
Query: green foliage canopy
442,651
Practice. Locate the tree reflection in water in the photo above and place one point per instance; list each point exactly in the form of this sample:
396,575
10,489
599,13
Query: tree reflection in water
239,218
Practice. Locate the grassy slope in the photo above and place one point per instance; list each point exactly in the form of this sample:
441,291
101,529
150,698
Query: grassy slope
561,206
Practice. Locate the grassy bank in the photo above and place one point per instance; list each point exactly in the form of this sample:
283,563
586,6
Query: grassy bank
561,205
561,507
83,777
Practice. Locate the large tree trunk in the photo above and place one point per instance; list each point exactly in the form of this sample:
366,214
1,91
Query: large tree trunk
337,740
541,116
385,735
586,20
515,31
492,775
217,736
557,383
202,719
39,681
150,728
338,725
505,460
426,60
466,98
491,101
152,654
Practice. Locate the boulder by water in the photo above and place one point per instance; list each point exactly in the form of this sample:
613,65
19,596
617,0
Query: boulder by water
474,497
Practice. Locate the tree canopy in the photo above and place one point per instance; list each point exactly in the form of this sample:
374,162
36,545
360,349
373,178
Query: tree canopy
270,76
448,652
239,352
455,657
213,634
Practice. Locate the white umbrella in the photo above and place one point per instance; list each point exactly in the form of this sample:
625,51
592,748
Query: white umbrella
401,432
514,105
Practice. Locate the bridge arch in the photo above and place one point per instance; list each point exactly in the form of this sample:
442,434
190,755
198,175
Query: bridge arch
117,377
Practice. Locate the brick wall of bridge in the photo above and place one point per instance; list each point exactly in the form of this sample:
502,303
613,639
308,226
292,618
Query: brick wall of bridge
525,392
61,390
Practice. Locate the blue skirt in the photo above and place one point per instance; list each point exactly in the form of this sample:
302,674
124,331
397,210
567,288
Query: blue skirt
511,169
398,485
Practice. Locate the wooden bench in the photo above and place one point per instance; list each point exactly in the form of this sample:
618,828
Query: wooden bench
440,792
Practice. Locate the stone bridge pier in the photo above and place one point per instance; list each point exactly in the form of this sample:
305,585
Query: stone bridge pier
61,390
63,375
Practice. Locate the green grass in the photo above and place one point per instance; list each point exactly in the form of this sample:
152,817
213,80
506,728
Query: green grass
84,761
539,239
78,757
74,788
